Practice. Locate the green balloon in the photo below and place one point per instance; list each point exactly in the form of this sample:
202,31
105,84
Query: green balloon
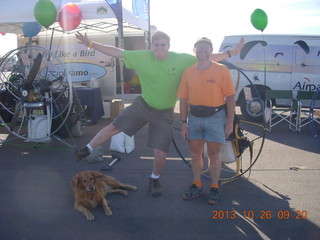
259,19
45,12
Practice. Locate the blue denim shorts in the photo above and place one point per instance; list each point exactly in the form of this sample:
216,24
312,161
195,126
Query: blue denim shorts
210,129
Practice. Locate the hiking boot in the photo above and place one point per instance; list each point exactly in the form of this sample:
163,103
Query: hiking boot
193,193
81,153
154,187
213,196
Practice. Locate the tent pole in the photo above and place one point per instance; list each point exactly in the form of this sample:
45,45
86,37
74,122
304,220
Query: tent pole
121,45
149,27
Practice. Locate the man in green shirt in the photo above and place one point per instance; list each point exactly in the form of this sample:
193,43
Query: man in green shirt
159,73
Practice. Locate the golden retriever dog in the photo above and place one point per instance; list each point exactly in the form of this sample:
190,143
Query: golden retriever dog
91,187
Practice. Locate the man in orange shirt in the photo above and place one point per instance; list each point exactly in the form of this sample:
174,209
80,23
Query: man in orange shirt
208,90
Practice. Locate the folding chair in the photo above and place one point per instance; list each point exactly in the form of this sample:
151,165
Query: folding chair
306,115
275,115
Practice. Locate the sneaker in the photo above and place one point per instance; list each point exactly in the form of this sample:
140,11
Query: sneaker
96,155
81,153
154,187
213,196
193,193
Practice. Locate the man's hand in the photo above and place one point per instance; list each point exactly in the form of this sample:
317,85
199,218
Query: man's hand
223,55
238,47
83,39
228,129
184,131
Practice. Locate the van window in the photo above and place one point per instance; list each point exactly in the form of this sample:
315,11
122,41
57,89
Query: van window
307,52
279,57
274,57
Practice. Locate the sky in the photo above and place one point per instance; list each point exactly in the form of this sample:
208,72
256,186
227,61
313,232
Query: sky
186,20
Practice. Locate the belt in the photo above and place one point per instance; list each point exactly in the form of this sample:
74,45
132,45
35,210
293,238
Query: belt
204,111
214,109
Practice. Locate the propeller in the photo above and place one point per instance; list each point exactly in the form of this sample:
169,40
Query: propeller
26,87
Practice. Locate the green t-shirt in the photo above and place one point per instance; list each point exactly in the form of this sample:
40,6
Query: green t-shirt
159,79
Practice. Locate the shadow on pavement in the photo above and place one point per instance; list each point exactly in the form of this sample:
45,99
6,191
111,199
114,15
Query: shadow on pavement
36,200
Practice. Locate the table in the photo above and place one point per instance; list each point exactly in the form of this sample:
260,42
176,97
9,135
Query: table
91,97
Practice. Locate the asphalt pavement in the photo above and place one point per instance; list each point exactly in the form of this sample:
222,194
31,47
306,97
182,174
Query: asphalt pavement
278,199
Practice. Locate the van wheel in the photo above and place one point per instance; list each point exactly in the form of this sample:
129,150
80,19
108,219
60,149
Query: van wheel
252,110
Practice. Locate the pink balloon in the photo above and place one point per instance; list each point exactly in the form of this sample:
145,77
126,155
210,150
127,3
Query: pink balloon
70,17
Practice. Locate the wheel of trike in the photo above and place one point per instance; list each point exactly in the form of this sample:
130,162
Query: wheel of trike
252,109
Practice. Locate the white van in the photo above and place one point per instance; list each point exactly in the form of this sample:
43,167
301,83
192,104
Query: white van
278,62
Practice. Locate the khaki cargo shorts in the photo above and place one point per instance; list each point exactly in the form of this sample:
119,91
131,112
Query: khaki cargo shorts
138,114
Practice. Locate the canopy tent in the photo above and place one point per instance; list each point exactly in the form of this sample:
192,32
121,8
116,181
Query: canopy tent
97,16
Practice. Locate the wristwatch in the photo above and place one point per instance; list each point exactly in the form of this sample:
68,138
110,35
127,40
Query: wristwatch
183,121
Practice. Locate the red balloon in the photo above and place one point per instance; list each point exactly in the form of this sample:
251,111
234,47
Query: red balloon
70,17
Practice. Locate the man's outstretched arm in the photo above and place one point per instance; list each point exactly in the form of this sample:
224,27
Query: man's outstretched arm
105,49
223,55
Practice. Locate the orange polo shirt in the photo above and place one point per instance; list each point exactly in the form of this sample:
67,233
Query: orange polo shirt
207,87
